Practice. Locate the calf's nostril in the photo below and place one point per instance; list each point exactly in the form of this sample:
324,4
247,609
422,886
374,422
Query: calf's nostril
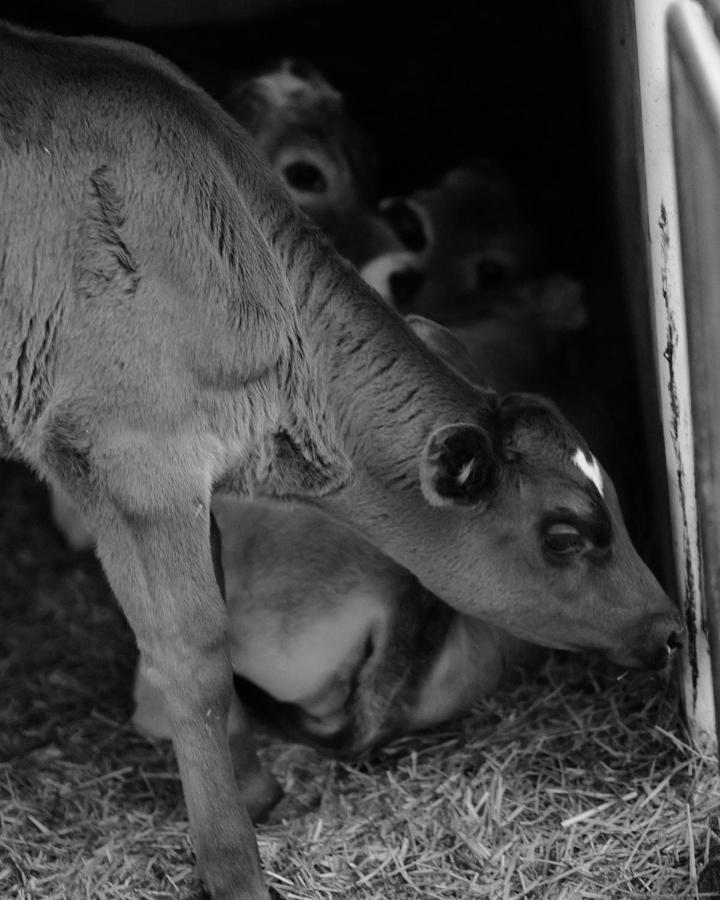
404,285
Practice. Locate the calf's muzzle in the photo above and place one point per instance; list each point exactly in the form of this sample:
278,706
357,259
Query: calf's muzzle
654,644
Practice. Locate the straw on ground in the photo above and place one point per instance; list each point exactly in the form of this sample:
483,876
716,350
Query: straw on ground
571,785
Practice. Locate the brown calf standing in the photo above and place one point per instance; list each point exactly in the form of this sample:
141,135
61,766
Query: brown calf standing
171,325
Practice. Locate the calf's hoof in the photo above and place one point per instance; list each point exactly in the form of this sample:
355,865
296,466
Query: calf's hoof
287,809
261,795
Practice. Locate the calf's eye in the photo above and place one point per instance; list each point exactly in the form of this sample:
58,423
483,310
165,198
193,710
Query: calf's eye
305,177
564,540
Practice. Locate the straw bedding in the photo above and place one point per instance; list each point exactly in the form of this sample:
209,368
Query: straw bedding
570,785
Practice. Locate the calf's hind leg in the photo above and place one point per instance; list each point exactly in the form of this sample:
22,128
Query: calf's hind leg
160,568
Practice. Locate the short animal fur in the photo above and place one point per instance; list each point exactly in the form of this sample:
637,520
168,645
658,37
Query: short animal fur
171,325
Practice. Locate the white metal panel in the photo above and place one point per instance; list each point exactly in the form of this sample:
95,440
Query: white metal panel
668,314
695,91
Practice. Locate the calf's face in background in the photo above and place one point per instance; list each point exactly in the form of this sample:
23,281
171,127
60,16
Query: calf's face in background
476,264
324,159
471,238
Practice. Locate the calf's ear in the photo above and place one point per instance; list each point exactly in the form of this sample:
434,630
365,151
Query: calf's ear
409,221
457,466
447,346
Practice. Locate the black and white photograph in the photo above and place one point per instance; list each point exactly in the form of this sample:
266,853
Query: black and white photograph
359,450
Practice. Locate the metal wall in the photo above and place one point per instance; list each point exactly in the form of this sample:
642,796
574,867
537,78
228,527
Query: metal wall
667,312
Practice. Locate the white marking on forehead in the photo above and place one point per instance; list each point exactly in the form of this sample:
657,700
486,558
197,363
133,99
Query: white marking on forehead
283,88
589,466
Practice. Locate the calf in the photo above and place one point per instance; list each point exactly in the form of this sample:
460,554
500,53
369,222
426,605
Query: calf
337,644
327,163
172,324
471,238
480,256
325,160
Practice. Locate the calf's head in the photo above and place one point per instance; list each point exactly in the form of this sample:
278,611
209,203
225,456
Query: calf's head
511,519
322,157
531,536
470,239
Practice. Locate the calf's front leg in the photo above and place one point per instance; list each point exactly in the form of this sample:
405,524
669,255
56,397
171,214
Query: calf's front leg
259,790
161,571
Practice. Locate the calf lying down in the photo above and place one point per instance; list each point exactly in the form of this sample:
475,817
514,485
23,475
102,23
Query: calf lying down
341,646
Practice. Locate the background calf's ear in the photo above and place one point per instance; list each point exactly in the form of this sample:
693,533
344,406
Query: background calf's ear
447,346
457,467
409,221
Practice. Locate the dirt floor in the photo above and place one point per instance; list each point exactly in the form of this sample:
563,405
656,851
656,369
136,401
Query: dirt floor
573,786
